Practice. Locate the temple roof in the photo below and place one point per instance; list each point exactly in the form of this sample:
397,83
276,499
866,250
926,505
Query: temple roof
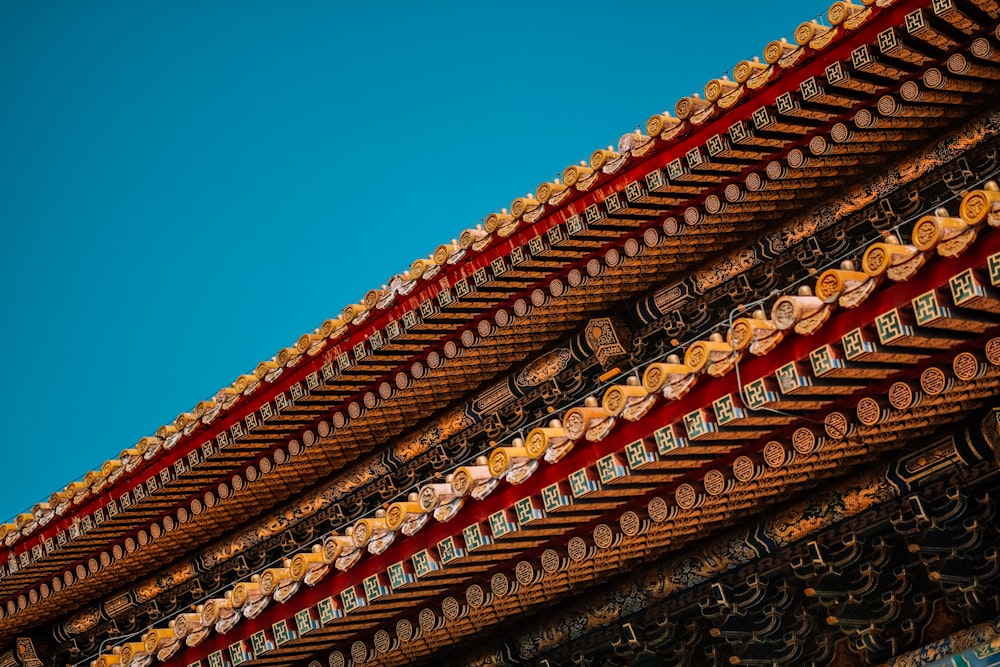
551,203
769,160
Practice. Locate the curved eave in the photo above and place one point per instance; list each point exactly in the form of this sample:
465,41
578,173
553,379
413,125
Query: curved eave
600,481
689,182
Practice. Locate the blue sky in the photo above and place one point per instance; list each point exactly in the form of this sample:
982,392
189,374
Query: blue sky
186,188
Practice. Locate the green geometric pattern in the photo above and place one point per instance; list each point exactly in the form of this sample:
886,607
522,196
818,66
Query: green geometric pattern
305,622
526,511
398,576
667,439
259,642
349,597
855,344
609,469
821,360
993,263
889,327
282,633
500,524
423,564
238,654
964,287
328,611
726,410
696,425
789,379
637,456
553,498
448,551
756,394
374,588
474,538
580,483
927,309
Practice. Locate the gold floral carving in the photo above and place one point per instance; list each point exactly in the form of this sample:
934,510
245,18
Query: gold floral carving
536,444
210,612
773,52
394,516
331,549
742,71
837,13
974,207
652,379
574,424
683,108
829,285
614,400
268,582
926,234
696,357
499,462
785,314
83,621
876,260
799,521
804,33
544,368
741,333
461,482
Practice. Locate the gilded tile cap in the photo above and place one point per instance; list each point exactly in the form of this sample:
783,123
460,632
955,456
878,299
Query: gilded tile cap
746,69
110,466
354,311
298,566
659,123
834,282
330,326
204,407
265,368
245,383
616,397
242,592
807,31
602,156
841,11
657,374
699,355
523,205
575,172
473,238
979,205
689,106
540,437
741,334
716,88
444,252
364,529
549,189
166,431
777,50
107,660
495,221
156,637
331,548
272,577
931,230
397,512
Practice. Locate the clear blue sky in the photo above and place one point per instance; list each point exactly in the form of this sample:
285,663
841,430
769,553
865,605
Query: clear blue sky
185,188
